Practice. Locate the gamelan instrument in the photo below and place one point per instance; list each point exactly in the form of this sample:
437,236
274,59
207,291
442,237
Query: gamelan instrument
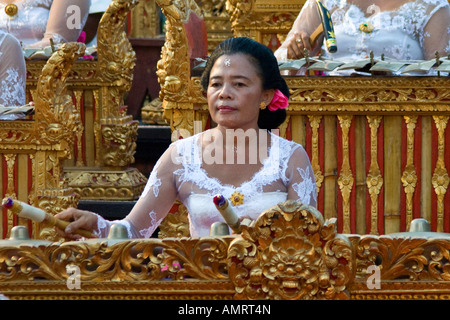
38,215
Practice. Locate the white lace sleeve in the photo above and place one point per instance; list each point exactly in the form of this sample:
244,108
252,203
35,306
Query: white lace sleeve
12,72
300,177
155,202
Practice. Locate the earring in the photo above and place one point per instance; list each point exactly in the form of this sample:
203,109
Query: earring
262,105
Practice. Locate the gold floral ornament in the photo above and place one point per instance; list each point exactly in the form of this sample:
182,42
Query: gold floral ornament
366,27
237,198
291,253
11,9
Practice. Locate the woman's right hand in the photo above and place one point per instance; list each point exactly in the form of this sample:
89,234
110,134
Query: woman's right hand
297,44
80,219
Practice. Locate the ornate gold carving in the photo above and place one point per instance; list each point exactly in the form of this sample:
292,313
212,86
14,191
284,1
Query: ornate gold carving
374,178
118,130
440,178
79,131
412,258
178,91
57,119
289,252
314,122
174,67
10,191
152,112
145,20
365,95
409,177
345,180
119,141
217,21
121,260
175,224
106,139
258,17
46,139
116,57
103,184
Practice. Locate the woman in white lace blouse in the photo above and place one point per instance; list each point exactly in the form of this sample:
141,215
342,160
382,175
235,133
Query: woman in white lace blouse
31,23
240,158
399,29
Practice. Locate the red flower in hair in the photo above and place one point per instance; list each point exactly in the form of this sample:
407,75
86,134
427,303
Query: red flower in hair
279,101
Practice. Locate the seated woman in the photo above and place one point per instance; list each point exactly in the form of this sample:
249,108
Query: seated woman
246,97
401,30
32,23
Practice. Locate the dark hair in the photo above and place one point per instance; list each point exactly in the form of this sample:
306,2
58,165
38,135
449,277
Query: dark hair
266,65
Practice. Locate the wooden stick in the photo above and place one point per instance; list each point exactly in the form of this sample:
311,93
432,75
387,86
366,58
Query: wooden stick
316,34
227,213
24,210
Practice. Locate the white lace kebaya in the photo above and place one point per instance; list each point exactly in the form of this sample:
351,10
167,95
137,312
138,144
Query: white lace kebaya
31,21
285,173
12,74
414,30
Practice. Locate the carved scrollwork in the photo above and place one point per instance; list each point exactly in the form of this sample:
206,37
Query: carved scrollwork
176,223
56,117
174,74
119,142
289,252
239,11
404,94
400,258
119,260
116,57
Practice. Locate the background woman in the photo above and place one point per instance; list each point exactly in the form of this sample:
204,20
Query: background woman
399,29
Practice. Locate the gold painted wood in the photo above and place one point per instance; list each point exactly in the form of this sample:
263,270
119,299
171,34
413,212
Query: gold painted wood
409,176
392,149
106,139
360,174
346,180
289,252
265,21
374,178
32,150
440,179
330,168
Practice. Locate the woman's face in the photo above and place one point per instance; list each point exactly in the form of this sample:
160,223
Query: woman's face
235,92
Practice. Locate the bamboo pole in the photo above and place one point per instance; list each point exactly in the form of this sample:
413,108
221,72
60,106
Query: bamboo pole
426,169
330,168
360,174
392,172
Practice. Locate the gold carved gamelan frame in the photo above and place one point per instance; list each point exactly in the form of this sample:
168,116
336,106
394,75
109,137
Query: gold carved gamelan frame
33,150
106,136
290,252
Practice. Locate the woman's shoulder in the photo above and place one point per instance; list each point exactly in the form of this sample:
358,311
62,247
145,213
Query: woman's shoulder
289,151
187,140
285,143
